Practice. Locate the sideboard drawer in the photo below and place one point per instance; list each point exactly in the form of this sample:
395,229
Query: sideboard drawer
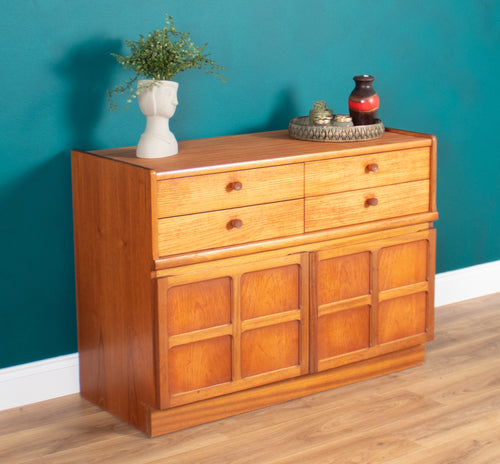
228,227
359,172
342,209
196,194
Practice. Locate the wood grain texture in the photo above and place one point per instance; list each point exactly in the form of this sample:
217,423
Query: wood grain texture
433,165
223,324
113,247
270,291
203,231
358,172
227,328
199,364
373,297
270,348
352,306
247,151
196,194
446,411
403,264
243,401
343,332
344,209
343,277
402,317
198,305
297,243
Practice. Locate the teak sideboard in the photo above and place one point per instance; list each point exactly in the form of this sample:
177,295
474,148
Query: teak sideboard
250,270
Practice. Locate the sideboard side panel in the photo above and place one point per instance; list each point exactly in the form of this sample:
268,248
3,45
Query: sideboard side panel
115,310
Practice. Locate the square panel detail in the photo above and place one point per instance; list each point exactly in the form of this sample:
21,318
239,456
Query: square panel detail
199,364
403,264
270,291
343,332
199,305
270,348
402,317
343,277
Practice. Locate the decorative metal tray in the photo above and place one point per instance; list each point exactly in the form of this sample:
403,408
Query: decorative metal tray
299,128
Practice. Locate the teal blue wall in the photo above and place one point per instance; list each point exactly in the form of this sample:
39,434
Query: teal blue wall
436,65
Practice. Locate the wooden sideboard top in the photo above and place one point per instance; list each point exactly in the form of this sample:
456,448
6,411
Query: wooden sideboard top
217,154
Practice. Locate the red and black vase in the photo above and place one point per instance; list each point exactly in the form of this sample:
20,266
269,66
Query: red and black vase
363,101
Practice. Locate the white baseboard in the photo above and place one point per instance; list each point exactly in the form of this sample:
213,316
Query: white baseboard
464,284
55,377
39,381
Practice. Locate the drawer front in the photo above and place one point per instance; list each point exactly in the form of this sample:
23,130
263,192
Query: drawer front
230,227
343,209
197,194
359,172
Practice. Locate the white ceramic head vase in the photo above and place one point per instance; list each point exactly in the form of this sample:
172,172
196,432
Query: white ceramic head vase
157,100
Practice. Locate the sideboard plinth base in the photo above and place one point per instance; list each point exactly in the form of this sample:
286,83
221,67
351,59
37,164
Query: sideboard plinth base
201,412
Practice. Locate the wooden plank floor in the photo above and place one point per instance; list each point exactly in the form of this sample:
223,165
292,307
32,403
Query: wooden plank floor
447,411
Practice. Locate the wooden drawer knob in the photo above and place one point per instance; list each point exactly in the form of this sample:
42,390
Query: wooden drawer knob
235,186
372,167
235,224
371,202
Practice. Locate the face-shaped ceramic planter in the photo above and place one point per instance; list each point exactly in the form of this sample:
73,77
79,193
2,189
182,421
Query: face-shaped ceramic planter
157,100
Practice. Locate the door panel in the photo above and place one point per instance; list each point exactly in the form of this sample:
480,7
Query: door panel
402,317
270,348
403,264
269,291
227,328
355,277
372,298
199,305
199,364
343,332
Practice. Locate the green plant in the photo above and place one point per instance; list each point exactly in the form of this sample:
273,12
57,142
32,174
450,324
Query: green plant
160,56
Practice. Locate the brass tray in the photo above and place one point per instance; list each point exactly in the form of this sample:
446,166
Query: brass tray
299,128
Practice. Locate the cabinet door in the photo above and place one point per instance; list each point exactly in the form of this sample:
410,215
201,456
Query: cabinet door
225,329
371,298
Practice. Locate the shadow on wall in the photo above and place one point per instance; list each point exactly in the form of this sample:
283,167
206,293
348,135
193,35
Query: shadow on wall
87,70
37,281
285,108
